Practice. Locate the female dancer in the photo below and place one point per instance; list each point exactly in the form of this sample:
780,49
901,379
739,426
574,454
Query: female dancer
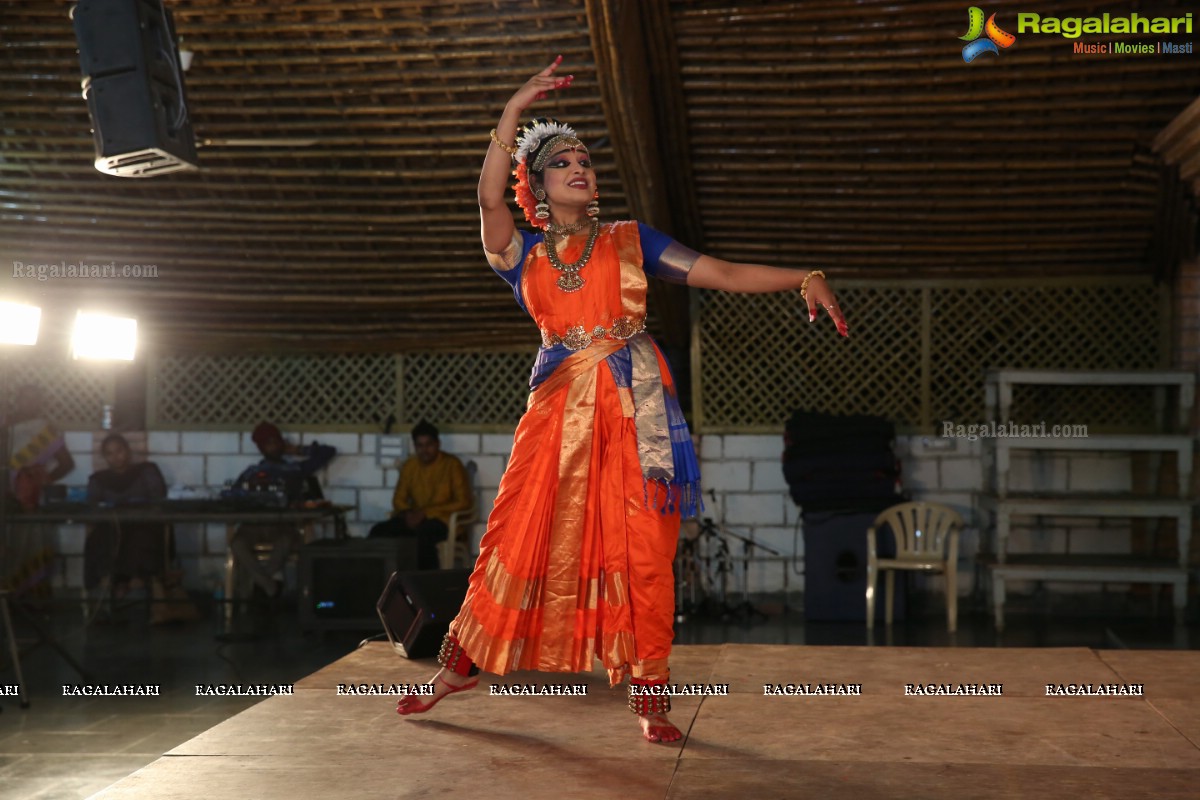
576,563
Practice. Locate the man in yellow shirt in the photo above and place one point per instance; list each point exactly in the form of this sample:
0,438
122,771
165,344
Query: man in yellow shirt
432,486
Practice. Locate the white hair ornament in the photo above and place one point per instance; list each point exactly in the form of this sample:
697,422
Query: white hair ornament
536,132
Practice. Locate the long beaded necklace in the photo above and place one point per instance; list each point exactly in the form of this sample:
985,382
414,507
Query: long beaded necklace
569,280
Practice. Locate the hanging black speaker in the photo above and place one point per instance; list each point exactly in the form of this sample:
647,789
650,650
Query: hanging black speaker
133,84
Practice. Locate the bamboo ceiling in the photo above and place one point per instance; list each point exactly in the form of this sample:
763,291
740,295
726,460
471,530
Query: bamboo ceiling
844,135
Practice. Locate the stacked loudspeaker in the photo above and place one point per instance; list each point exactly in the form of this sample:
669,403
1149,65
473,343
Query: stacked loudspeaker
841,471
133,84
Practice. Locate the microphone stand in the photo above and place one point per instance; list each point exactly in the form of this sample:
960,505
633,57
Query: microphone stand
695,560
685,581
745,608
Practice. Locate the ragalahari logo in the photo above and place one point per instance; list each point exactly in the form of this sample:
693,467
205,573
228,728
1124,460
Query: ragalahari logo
996,38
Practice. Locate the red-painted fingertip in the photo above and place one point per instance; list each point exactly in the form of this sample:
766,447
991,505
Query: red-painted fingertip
558,60
812,316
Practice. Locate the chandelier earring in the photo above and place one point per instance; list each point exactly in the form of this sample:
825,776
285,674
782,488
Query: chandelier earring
593,208
542,209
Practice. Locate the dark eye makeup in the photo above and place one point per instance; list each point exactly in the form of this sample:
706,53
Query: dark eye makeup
560,163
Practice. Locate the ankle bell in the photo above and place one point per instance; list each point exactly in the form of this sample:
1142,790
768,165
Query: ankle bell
647,697
454,658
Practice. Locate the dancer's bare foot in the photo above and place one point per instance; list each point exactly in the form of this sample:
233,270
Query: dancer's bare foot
657,728
446,682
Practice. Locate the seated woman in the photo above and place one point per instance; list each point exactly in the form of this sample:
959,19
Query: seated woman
123,552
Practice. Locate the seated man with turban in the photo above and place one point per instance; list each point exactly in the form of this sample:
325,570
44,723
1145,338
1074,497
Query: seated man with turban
284,467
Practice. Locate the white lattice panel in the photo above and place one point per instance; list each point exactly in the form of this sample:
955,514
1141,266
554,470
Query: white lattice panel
315,391
75,391
466,389
1100,327
760,358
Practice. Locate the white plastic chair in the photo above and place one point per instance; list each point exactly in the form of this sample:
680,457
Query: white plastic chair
926,541
455,547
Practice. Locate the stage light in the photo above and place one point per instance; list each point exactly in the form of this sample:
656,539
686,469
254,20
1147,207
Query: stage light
101,336
19,323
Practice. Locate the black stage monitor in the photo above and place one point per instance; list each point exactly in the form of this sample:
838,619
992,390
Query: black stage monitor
340,580
416,609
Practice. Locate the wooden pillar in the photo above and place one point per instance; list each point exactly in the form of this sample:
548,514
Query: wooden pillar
642,95
1186,299
1178,147
129,396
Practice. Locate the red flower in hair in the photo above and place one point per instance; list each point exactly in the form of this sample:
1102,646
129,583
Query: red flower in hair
525,198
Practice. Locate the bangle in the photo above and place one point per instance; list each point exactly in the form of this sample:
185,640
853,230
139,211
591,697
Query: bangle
508,148
807,278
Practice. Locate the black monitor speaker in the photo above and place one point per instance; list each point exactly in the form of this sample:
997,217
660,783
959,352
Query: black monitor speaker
340,580
416,608
133,84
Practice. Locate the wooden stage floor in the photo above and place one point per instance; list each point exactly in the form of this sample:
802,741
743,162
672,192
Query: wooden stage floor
316,743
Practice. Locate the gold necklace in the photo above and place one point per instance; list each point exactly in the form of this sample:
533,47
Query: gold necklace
570,281
569,228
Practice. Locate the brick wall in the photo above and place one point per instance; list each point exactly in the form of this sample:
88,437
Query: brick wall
742,480
201,462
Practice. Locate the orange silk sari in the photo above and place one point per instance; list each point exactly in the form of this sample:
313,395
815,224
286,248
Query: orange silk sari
576,562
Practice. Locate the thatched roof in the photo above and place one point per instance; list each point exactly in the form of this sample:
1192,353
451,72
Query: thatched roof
844,135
